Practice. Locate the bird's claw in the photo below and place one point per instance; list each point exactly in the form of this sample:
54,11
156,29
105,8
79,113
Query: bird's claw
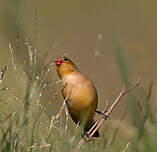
103,115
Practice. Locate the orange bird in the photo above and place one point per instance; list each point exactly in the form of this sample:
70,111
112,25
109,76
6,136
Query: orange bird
80,92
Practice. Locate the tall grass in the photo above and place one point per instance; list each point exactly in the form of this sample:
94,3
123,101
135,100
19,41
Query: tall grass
25,124
141,112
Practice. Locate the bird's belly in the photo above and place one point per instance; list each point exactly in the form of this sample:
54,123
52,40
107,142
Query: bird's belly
81,114
81,104
82,97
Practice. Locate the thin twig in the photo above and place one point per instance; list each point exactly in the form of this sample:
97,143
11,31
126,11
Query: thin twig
67,119
2,73
101,119
11,58
106,107
107,113
150,90
75,131
54,83
126,147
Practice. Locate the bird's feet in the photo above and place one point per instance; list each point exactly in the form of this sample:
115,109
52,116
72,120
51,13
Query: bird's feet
103,115
86,137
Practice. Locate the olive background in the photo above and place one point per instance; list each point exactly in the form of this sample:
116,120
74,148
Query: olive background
86,31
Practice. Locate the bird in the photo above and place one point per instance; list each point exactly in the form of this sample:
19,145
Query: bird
80,92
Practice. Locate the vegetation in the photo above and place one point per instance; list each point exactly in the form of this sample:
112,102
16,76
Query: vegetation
26,125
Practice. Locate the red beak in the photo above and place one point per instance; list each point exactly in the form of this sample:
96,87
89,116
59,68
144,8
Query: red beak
58,62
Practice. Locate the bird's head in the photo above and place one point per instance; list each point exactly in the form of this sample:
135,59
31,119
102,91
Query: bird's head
64,66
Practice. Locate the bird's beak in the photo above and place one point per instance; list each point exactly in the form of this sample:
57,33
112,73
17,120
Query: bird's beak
58,62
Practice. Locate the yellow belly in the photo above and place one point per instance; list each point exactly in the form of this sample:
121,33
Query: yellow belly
81,103
82,114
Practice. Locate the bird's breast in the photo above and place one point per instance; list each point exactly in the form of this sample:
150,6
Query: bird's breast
80,91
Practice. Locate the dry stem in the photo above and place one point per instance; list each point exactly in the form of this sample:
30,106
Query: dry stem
104,117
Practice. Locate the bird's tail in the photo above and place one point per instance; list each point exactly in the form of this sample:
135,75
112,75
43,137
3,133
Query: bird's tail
88,127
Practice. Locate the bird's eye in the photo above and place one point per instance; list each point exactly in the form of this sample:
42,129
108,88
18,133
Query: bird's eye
65,59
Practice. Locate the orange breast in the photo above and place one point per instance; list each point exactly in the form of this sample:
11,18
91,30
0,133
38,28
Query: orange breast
82,97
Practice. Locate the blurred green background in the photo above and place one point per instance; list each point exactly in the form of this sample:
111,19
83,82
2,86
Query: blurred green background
90,32
82,28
